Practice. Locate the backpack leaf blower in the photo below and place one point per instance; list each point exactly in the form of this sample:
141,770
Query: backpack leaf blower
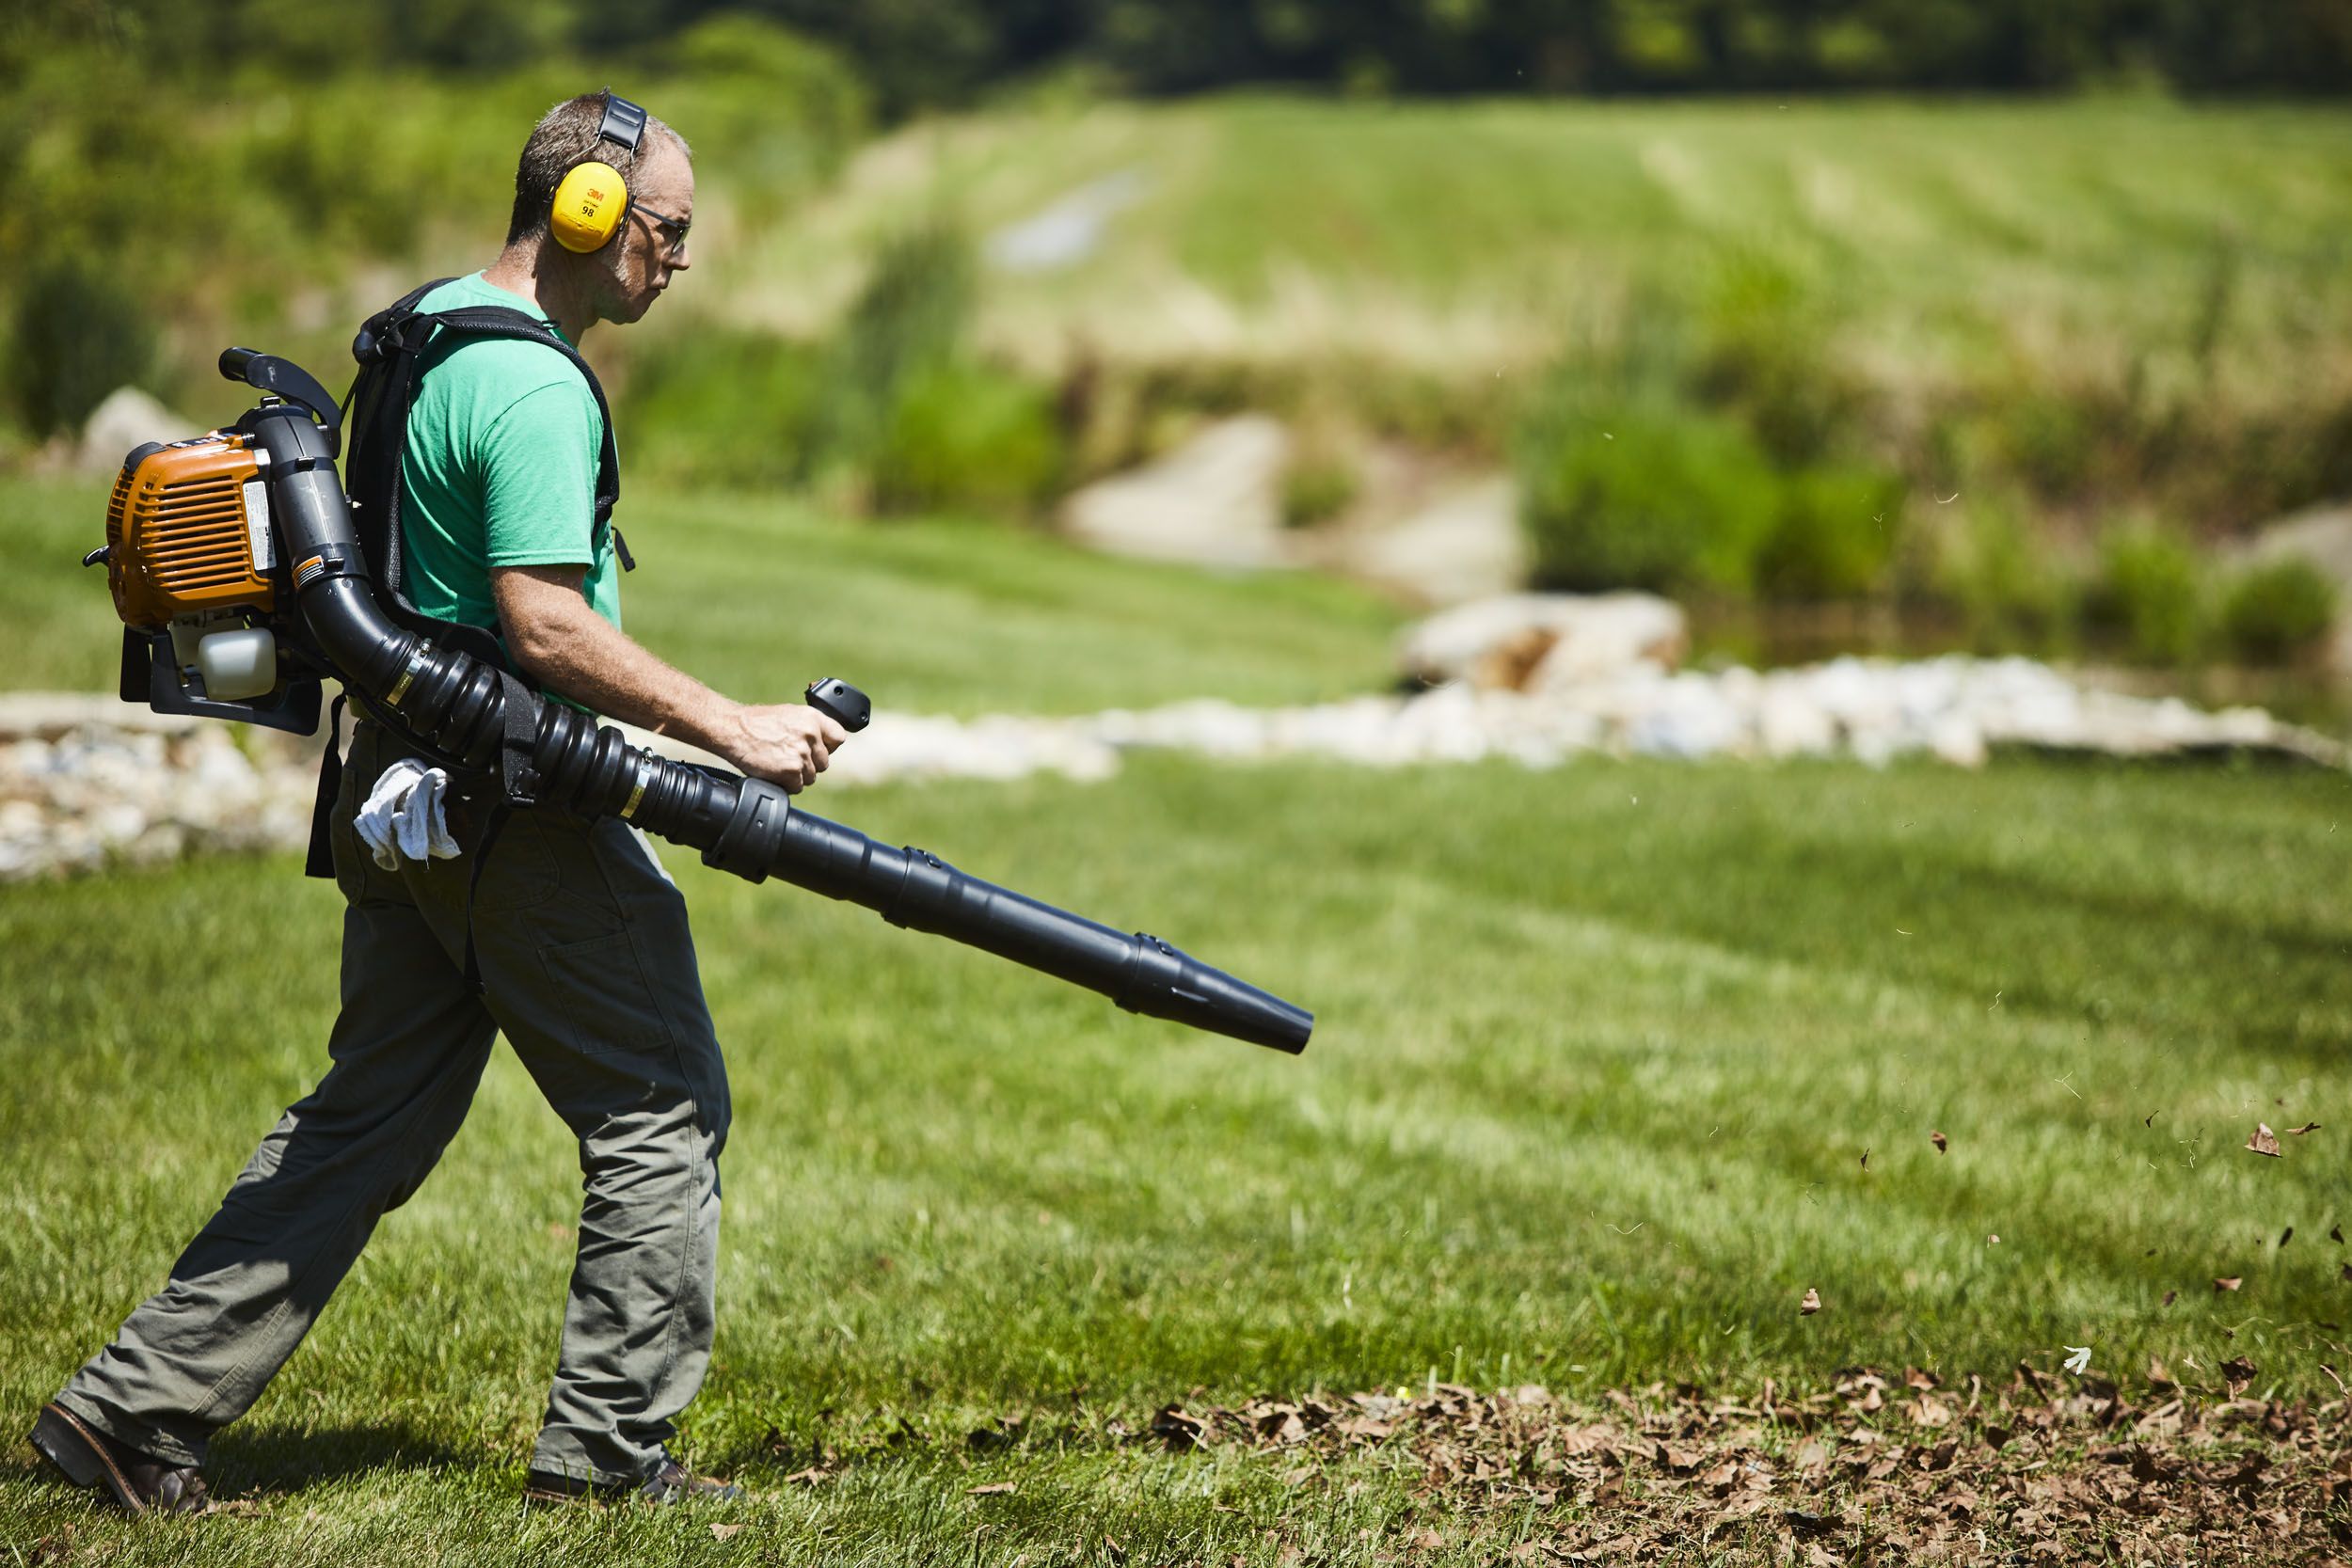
241,585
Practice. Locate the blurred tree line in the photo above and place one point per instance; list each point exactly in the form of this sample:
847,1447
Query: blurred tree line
915,53
183,174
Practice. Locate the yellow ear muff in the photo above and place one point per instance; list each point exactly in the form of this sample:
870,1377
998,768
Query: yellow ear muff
589,206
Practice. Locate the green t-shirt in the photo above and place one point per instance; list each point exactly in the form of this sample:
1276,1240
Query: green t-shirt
500,468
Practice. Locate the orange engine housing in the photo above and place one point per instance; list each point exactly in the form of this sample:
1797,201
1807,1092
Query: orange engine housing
187,532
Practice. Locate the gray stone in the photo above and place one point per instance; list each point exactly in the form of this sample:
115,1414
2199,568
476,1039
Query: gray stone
1464,544
126,419
1214,501
1543,641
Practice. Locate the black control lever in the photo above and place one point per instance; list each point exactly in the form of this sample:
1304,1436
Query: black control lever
283,378
842,702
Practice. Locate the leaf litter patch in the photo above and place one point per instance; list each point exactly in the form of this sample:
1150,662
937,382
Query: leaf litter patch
1878,1469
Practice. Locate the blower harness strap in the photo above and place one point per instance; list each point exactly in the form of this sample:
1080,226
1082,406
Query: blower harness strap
518,789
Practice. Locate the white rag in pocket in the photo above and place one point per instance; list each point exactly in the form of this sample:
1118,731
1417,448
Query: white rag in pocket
403,819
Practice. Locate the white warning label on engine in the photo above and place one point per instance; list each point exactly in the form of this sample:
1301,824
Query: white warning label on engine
256,523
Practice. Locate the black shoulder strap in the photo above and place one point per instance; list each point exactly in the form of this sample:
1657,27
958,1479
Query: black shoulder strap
389,349
498,320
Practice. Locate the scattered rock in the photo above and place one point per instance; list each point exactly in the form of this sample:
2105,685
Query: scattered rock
1463,543
1543,641
87,779
1068,231
127,417
1215,500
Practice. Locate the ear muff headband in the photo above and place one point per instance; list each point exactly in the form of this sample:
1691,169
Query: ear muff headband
593,199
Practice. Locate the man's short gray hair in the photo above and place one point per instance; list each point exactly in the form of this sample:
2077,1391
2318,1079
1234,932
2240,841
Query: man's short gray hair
564,139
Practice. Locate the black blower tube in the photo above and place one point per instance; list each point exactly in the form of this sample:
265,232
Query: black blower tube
456,702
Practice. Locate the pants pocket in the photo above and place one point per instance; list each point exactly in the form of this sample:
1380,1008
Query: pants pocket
601,995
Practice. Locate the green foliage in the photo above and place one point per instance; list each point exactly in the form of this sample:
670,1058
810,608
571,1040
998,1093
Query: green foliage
2279,611
909,319
1318,484
906,419
2151,589
79,335
1645,495
712,406
1647,464
1766,335
965,436
721,81
1985,560
2067,442
233,190
1836,533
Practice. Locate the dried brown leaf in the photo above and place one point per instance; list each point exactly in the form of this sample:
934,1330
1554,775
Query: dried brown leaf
2307,1127
1940,1141
1172,1426
1681,1460
2230,1282
2171,1296
726,1532
993,1489
1811,1304
2237,1371
2263,1141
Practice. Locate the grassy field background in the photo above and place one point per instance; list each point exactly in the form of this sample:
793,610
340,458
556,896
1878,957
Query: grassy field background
1601,1053
758,597
1474,235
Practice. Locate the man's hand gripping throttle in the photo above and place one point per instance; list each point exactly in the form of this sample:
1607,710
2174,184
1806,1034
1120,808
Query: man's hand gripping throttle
784,743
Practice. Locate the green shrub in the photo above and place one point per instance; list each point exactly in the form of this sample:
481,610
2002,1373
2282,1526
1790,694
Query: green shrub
1834,535
908,322
2275,613
1646,495
78,335
1317,486
968,438
2151,590
1765,350
713,405
1987,563
727,77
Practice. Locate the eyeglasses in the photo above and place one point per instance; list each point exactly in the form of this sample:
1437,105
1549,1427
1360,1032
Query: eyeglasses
673,230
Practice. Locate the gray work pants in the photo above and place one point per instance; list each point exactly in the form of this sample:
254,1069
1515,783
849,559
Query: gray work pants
589,971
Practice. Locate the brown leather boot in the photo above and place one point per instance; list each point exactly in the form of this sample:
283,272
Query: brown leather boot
139,1482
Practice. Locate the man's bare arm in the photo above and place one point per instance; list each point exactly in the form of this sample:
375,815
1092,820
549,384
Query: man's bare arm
569,648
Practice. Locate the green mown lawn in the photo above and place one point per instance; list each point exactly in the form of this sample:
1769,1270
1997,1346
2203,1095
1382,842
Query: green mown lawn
1600,1055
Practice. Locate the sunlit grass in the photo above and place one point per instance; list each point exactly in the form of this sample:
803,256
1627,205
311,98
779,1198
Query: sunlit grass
1599,1054
1474,235
759,595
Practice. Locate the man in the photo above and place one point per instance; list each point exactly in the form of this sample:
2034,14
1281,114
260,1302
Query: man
585,959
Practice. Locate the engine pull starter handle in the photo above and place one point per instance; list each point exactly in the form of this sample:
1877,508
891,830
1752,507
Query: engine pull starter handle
842,702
